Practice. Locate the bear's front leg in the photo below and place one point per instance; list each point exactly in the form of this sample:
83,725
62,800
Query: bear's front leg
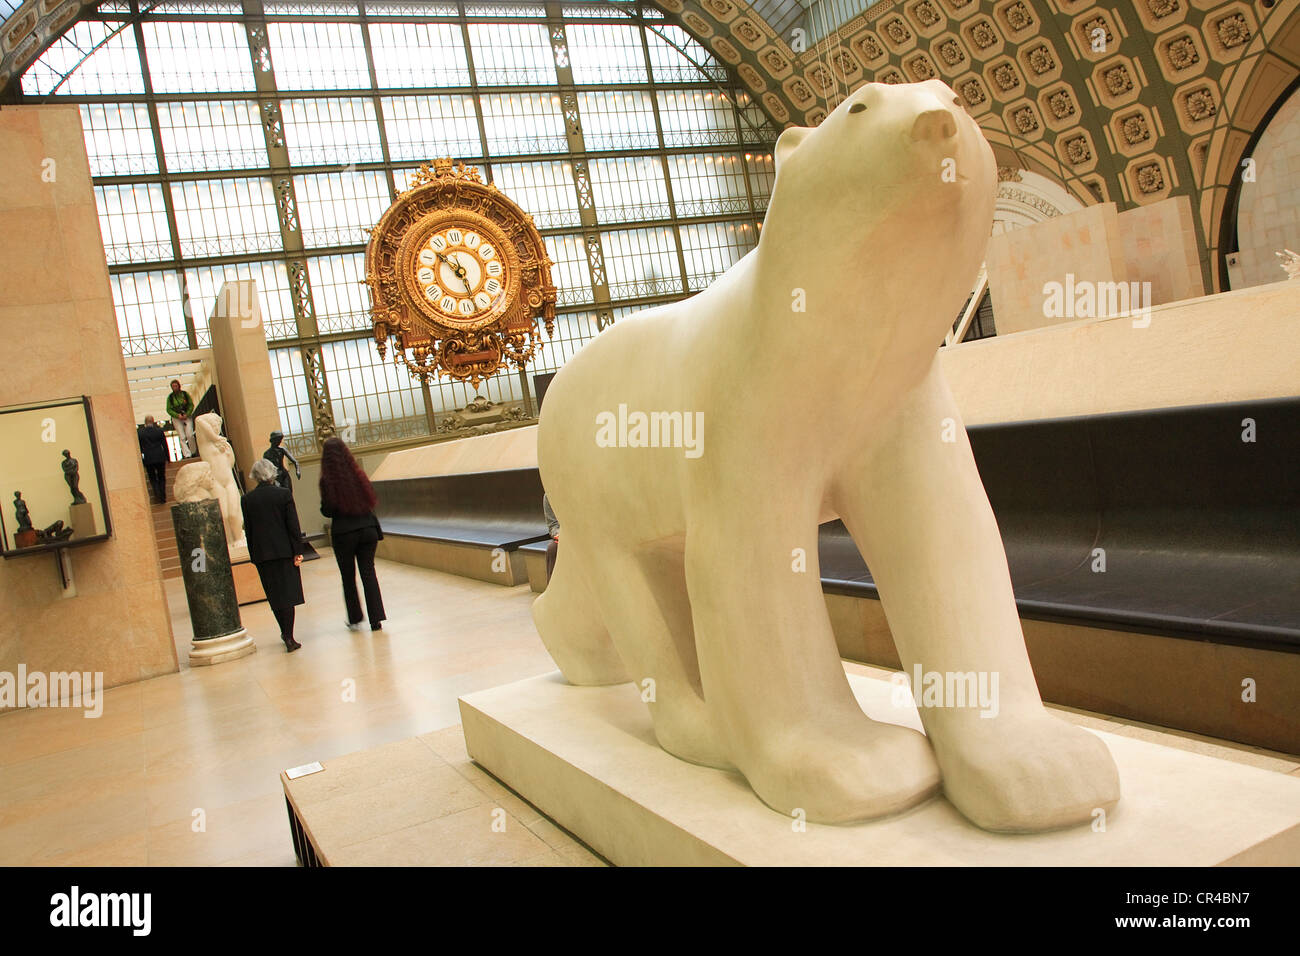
914,503
773,681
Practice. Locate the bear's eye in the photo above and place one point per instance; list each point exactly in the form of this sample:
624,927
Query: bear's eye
857,107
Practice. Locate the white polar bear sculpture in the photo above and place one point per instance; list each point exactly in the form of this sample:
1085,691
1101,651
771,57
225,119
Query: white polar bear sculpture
679,564
216,452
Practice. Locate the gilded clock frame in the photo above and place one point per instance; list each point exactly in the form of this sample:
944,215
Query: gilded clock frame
426,340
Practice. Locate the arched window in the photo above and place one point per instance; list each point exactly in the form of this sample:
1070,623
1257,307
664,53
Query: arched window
225,144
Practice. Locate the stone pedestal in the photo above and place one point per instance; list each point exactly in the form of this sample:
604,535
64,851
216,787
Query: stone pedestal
243,364
587,757
81,518
248,583
219,634
26,539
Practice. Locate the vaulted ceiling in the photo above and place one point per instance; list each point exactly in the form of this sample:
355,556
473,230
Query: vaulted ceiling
1123,102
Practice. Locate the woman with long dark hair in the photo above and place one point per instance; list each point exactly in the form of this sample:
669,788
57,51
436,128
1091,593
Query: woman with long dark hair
348,498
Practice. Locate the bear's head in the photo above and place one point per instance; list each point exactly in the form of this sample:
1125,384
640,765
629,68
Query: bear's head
902,166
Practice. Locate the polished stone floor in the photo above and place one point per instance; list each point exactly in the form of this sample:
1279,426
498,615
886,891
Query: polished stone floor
184,769
207,745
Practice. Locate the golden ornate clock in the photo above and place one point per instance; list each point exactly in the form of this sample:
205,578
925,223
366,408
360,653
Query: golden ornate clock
458,277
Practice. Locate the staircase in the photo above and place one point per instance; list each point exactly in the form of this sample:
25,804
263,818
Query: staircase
163,532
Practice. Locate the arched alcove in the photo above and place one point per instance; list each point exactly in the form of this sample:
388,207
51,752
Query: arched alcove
1268,209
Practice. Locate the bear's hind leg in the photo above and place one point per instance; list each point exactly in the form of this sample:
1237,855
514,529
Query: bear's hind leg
643,599
569,622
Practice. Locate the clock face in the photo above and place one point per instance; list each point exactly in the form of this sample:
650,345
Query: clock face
462,273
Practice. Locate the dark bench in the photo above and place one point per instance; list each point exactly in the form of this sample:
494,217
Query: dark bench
1199,530
535,560
1200,533
468,524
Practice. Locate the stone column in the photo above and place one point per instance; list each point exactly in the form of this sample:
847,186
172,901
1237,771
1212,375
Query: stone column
243,363
219,635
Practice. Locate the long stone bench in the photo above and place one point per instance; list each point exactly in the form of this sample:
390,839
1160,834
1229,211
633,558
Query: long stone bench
535,561
1155,558
471,524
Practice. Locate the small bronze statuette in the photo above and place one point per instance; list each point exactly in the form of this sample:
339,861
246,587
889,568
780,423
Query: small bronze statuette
21,513
72,475
277,454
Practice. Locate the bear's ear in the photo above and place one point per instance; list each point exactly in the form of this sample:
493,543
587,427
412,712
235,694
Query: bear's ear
788,141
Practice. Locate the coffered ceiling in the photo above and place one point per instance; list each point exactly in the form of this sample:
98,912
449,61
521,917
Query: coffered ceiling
1124,102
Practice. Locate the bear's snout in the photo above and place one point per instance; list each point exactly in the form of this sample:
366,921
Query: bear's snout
934,125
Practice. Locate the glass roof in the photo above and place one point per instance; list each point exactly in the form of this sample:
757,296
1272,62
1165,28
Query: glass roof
227,148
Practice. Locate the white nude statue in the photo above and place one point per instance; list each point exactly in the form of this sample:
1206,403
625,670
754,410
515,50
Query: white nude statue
215,451
681,564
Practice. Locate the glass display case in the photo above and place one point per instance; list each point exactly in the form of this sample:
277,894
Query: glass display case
50,478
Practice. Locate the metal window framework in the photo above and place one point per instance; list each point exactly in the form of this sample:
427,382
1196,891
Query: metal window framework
280,170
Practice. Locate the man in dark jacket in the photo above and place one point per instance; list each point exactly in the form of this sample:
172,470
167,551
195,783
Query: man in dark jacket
153,449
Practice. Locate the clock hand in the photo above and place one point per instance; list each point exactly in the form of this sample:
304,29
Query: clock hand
456,269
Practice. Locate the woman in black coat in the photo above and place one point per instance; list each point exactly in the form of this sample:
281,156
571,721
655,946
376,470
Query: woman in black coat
275,546
348,498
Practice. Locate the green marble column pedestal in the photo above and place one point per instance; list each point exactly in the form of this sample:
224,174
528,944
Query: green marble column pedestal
219,635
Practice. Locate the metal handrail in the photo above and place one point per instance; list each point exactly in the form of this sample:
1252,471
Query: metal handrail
958,332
